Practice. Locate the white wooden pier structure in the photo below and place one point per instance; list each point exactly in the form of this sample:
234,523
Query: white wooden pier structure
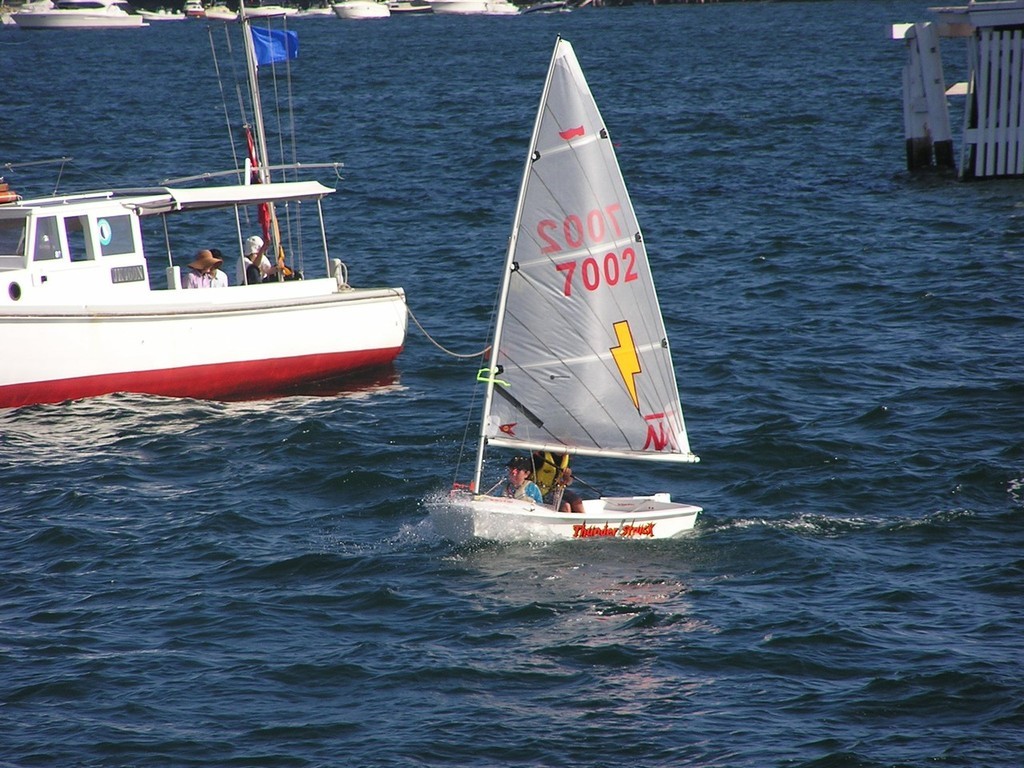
993,137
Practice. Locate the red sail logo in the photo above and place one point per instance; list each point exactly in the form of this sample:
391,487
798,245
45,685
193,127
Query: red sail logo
658,436
572,133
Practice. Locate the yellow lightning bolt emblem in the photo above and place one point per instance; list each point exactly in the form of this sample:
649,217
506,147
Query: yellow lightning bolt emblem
626,358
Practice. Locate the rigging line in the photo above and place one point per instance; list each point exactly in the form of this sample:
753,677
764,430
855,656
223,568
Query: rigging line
223,96
26,164
240,81
433,341
281,130
466,431
60,175
576,479
291,104
472,409
248,117
64,162
295,239
277,104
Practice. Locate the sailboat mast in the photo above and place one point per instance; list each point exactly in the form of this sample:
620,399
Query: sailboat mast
509,265
252,72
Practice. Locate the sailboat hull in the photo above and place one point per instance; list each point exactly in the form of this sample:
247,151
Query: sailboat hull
463,516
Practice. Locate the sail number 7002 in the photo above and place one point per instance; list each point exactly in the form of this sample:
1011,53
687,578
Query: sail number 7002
593,274
574,232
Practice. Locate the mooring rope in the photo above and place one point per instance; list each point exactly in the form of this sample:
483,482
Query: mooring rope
434,341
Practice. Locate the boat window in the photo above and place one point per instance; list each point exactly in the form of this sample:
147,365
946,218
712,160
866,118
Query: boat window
47,245
12,237
115,235
79,246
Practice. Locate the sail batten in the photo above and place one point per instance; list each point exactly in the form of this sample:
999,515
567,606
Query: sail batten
583,251
593,357
568,147
558,448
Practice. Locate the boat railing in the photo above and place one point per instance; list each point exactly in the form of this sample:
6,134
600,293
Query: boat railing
243,173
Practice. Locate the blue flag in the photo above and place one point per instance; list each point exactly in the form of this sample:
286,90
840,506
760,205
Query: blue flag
274,45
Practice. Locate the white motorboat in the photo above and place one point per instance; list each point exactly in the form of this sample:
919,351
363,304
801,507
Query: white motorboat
162,15
7,11
474,7
82,315
224,13
580,361
317,11
262,11
194,9
220,13
361,9
548,6
409,6
80,14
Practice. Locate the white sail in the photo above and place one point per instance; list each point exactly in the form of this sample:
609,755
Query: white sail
580,361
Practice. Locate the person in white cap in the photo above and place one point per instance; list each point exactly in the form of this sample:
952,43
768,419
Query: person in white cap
255,266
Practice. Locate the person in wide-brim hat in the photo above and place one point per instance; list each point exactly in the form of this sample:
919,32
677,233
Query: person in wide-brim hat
205,262
204,272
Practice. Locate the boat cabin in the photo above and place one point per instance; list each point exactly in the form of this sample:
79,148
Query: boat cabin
88,248
70,250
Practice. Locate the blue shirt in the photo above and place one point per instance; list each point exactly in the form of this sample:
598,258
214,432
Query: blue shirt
527,490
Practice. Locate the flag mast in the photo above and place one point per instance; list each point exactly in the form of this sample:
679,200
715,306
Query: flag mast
252,71
269,224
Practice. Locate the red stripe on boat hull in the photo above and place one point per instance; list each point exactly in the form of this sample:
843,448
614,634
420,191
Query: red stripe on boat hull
222,381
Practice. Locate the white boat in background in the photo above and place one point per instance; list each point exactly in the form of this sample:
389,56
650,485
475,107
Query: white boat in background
474,7
7,11
194,9
80,14
548,6
361,9
81,315
580,361
409,6
220,13
224,13
162,15
262,11
317,10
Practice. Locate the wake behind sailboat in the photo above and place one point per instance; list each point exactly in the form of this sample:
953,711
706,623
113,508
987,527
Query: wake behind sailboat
580,361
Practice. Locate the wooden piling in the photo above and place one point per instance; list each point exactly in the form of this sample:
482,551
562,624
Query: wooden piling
926,126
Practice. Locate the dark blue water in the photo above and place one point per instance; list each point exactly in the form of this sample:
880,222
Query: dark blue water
256,584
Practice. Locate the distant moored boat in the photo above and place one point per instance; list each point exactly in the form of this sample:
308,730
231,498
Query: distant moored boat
80,14
361,9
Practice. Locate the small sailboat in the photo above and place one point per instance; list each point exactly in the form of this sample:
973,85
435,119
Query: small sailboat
580,361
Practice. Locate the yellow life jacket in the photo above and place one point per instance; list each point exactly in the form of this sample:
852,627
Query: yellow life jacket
547,470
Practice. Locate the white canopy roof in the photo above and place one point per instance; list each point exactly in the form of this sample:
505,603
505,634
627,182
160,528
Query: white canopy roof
155,200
